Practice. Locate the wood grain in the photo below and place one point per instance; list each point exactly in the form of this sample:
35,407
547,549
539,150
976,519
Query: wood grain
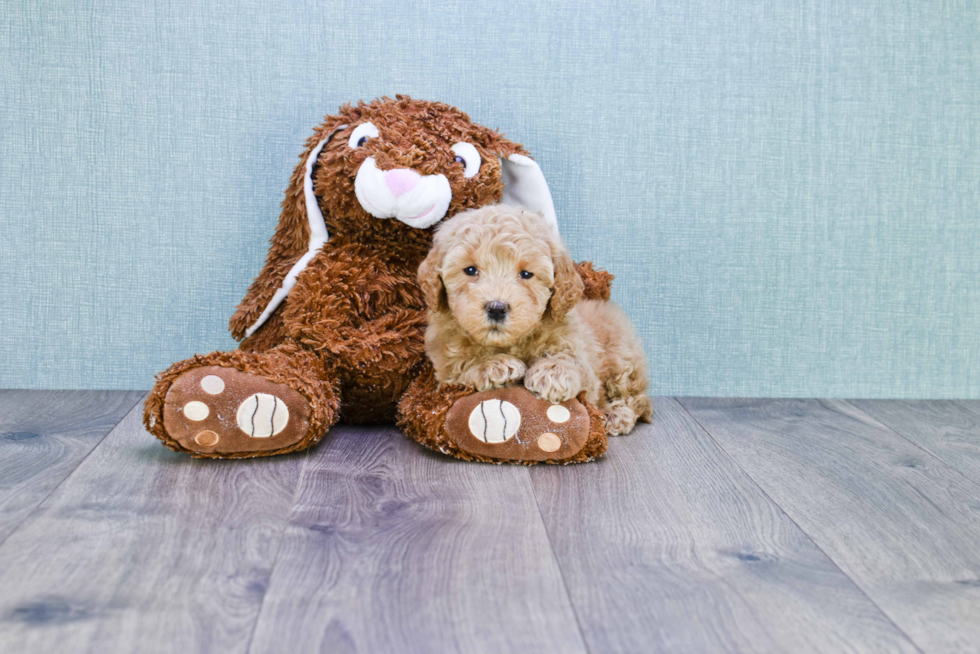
144,550
970,405
666,545
43,436
900,522
948,430
368,543
392,548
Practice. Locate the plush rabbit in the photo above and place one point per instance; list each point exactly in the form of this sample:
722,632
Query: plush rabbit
332,329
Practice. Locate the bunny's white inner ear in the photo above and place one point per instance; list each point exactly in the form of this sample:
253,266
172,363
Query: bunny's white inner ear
318,236
525,186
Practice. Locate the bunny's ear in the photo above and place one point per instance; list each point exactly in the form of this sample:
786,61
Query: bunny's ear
525,187
299,236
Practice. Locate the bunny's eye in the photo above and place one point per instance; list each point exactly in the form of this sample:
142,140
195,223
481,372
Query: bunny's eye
467,155
361,134
470,270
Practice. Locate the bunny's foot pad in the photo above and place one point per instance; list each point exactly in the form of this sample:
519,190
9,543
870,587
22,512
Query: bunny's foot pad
213,410
510,424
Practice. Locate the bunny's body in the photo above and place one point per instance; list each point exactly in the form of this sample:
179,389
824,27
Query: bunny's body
333,326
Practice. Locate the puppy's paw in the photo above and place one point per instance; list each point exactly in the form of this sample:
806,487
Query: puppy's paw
554,380
620,419
495,373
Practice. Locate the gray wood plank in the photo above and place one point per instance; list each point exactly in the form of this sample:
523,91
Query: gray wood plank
391,548
970,405
901,523
145,550
948,430
666,545
43,436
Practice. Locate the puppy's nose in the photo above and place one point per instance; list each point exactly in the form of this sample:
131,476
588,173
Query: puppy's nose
401,180
496,310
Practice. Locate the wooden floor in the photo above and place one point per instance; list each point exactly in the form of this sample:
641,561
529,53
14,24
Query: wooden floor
726,525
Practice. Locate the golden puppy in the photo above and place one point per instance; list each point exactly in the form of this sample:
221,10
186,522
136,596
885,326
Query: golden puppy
504,305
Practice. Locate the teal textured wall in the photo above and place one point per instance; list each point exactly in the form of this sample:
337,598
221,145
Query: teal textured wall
788,192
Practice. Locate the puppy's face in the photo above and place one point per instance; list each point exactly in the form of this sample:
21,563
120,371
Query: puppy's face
498,285
499,271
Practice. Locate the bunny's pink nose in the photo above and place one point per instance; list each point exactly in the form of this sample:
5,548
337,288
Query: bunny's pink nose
402,180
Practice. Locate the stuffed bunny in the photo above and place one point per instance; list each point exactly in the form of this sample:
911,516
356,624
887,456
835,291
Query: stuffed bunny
332,329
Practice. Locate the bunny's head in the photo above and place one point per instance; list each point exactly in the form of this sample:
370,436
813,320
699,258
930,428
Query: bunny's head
386,172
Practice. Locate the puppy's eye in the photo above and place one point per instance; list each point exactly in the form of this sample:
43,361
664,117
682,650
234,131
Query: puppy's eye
467,155
470,270
361,134
526,274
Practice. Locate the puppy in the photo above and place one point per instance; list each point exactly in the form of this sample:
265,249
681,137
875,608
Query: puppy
505,304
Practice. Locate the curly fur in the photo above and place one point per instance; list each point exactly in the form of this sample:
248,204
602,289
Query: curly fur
414,134
560,346
349,337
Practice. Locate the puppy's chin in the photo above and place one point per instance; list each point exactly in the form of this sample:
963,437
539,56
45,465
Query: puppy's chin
496,335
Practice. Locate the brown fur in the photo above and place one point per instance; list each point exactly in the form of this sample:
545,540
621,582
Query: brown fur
598,283
350,335
558,346
414,134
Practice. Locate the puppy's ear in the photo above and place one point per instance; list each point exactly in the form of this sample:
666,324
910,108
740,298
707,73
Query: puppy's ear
431,281
568,287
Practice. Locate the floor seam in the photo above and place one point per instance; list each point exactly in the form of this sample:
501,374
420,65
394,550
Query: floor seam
78,465
554,556
905,438
797,525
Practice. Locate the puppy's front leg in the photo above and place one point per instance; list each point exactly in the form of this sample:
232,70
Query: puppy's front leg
494,373
555,378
